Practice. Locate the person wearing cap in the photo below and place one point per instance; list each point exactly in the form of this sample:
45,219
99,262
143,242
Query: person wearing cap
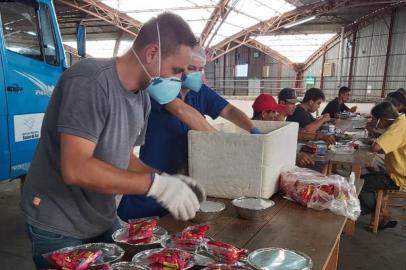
266,108
166,142
287,97
310,104
393,144
337,105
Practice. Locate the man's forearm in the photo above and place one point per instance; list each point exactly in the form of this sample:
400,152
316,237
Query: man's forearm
236,116
314,126
188,115
136,165
306,136
99,176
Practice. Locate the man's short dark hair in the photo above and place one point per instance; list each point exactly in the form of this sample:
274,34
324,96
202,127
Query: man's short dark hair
313,94
385,110
174,31
402,91
396,98
343,90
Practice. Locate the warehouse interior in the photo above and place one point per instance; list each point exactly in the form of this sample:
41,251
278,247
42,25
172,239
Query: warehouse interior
254,47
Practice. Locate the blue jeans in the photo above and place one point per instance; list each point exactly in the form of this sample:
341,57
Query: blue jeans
373,183
44,242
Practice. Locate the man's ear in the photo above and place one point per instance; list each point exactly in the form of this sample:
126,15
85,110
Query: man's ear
151,52
263,115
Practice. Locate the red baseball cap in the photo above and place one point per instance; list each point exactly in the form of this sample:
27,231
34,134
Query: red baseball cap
265,103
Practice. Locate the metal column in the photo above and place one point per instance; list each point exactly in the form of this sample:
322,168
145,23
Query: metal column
388,49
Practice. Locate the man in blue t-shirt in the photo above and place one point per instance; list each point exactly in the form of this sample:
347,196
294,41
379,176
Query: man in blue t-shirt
166,147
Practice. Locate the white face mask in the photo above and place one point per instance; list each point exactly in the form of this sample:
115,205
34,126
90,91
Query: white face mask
379,130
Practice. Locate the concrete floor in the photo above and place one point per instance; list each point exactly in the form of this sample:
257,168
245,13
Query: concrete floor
362,251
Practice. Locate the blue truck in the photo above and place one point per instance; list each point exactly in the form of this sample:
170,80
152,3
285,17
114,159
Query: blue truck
32,59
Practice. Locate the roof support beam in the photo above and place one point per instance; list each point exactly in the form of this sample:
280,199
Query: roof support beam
388,50
102,11
274,24
117,44
355,25
218,12
268,51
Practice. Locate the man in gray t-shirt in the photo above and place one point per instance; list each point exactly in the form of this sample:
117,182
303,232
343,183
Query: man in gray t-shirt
97,114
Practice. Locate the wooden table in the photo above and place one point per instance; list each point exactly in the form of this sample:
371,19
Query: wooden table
362,156
289,225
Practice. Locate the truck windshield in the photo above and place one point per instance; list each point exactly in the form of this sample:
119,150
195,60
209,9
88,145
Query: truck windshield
20,28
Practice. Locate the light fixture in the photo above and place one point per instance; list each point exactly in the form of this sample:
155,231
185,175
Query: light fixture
299,22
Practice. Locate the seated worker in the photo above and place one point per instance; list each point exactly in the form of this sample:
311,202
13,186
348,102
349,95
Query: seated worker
337,105
310,104
266,108
398,99
287,97
393,144
166,146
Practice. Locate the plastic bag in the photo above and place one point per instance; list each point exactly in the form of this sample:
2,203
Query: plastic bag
141,229
226,253
320,192
170,258
79,259
190,238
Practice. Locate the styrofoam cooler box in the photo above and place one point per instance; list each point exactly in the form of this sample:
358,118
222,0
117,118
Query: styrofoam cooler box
233,163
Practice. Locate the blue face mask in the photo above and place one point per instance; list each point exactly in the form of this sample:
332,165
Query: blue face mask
162,90
193,81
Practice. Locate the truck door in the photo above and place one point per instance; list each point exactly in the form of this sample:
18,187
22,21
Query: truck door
4,146
31,65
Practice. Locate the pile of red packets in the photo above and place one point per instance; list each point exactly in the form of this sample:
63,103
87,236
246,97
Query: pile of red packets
170,258
190,238
75,260
226,253
140,231
317,191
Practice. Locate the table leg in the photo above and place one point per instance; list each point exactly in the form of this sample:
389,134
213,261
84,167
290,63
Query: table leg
349,227
333,258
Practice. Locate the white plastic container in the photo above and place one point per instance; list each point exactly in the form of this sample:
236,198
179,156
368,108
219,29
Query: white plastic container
233,163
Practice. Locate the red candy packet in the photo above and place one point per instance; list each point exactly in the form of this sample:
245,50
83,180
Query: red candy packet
190,238
141,228
225,252
74,260
194,232
170,258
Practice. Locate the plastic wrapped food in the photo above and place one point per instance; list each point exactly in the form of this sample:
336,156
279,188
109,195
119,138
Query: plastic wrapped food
170,258
141,228
225,252
142,241
190,238
320,192
194,232
79,259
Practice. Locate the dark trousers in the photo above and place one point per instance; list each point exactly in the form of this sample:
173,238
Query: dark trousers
373,183
44,242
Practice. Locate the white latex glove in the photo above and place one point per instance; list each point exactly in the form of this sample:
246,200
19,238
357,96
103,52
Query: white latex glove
175,195
196,187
